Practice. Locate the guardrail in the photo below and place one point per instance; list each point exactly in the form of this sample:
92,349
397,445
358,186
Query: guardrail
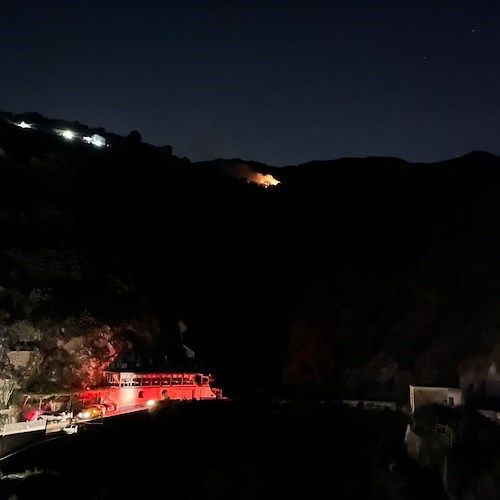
57,426
19,427
368,404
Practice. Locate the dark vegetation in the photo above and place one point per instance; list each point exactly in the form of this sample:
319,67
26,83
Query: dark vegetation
352,277
231,450
472,459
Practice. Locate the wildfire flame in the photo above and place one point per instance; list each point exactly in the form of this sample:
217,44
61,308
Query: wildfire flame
264,180
244,171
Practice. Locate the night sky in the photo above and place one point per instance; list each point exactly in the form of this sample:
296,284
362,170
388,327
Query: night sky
280,82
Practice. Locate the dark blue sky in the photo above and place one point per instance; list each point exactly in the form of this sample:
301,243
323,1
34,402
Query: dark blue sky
281,82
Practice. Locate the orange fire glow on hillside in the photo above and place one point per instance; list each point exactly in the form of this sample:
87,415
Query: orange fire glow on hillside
264,180
244,171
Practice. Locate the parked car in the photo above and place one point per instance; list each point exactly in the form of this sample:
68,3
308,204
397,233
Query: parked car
53,416
93,411
70,429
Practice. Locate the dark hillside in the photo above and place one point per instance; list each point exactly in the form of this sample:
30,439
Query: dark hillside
355,275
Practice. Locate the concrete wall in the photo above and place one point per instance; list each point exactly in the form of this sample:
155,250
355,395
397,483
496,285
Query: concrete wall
420,395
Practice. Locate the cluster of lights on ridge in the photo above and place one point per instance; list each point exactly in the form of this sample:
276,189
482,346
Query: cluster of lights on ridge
95,139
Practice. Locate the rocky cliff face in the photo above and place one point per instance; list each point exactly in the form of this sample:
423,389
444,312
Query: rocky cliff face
66,353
